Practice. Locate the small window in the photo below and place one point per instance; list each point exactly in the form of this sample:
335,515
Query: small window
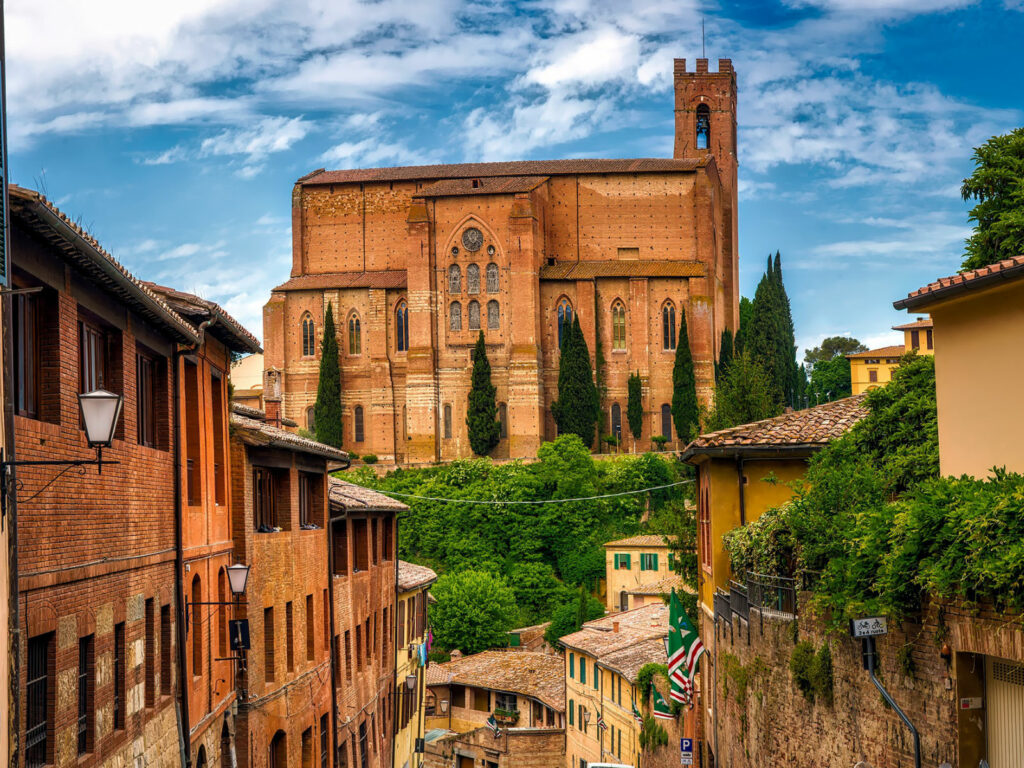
455,316
98,357
145,399
618,325
149,654
357,423
493,279
616,420
26,354
472,279
493,315
703,126
86,693
474,315
197,623
324,741
119,677
270,499
308,336
564,320
355,336
503,420
268,645
915,339
872,375
39,702
649,561
454,279
668,326
666,420
506,701
311,418
289,635
402,326
928,338
310,500
165,650
448,421
704,517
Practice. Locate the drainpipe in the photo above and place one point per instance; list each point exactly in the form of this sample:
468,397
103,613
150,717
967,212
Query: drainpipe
394,639
335,665
179,553
741,481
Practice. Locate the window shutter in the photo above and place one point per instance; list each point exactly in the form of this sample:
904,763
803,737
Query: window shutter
572,665
629,565
616,562
571,713
654,557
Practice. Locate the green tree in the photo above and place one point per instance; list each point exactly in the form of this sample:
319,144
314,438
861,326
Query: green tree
482,414
800,393
685,411
327,410
571,615
537,591
830,380
724,354
746,315
575,411
743,395
474,611
770,340
787,344
997,186
634,405
833,346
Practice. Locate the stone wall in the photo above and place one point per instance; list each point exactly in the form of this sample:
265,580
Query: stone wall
514,748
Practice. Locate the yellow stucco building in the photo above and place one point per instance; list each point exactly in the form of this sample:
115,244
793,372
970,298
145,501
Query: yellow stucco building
412,585
874,367
637,570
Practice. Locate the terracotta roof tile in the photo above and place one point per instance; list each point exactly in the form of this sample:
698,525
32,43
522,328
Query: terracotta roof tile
488,185
924,322
226,328
514,168
638,641
588,270
411,576
259,433
1007,269
638,541
394,278
661,587
540,675
810,428
349,496
898,350
83,250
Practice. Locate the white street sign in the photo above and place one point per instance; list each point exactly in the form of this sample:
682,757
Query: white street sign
871,626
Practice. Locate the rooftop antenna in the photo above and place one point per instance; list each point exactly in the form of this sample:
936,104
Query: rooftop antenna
703,55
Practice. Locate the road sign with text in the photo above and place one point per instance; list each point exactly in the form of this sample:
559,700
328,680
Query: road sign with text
871,626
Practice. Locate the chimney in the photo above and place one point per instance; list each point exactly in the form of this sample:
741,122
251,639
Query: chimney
615,626
456,654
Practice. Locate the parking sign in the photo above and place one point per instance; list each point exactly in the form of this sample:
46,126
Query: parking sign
686,751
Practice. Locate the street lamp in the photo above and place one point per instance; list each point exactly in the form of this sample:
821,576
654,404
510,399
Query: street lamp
238,575
410,681
586,716
444,705
100,412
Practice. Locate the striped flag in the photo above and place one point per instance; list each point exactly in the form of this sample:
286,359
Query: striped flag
636,714
662,709
600,722
684,649
493,725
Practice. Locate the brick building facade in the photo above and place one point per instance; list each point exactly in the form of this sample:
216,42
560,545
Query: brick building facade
410,663
417,261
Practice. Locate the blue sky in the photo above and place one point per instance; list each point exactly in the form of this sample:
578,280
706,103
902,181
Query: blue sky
174,133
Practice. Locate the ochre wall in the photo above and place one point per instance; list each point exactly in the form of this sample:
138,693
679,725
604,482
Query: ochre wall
619,579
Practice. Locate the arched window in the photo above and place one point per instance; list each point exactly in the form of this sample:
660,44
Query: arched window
666,420
564,320
197,624
616,420
492,278
222,610
448,421
472,279
454,279
308,336
503,420
618,325
493,314
402,326
201,757
668,326
279,751
474,315
703,127
311,418
355,335
455,316
357,423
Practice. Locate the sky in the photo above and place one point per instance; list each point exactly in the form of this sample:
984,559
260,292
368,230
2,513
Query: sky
174,131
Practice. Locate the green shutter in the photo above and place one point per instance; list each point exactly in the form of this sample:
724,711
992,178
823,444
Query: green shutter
629,565
572,665
513,639
616,562
583,670
644,560
671,561
597,677
655,558
571,713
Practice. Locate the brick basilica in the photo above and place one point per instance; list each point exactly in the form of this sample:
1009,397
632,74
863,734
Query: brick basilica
416,261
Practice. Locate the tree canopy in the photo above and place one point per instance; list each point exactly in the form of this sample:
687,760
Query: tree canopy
327,410
685,410
576,409
830,380
833,346
997,187
474,611
482,413
743,395
635,405
770,337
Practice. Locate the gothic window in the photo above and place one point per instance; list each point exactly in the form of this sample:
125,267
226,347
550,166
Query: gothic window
310,416
668,326
666,420
355,336
703,127
616,420
308,336
358,424
454,279
472,279
503,420
402,326
455,316
564,320
474,315
492,278
618,325
448,421
493,314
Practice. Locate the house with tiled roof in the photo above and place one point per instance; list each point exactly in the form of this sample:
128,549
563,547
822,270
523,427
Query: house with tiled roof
632,565
411,587
874,367
979,323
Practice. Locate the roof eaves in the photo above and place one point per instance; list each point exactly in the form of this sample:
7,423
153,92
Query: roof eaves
928,296
785,450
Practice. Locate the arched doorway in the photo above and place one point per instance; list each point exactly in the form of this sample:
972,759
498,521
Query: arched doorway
279,750
225,747
201,757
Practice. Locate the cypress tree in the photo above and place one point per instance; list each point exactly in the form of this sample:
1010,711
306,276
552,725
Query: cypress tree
634,406
724,353
787,342
746,312
327,411
685,412
575,411
770,340
482,413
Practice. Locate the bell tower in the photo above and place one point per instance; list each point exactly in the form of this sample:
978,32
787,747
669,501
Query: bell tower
705,110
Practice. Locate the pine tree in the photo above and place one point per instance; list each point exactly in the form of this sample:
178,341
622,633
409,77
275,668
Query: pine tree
770,339
746,312
787,343
482,413
575,411
724,354
685,412
327,411
634,406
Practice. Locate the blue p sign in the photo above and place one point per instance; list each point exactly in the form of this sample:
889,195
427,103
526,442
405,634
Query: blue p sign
686,745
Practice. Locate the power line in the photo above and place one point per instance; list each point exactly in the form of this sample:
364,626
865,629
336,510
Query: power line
537,501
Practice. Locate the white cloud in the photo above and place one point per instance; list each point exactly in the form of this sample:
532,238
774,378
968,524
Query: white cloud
182,251
369,153
588,59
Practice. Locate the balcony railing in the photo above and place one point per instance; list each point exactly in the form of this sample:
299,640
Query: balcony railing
738,602
773,596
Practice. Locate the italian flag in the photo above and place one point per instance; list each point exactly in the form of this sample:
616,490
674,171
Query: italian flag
684,650
662,709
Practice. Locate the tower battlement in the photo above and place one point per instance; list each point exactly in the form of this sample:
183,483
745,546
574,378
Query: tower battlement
724,67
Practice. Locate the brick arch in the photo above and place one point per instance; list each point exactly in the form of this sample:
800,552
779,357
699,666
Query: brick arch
40,616
455,238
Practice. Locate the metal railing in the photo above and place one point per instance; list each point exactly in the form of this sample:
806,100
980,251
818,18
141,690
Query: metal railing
722,608
773,596
738,602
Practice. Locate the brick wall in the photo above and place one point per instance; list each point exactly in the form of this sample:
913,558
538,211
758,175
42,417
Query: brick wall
515,748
